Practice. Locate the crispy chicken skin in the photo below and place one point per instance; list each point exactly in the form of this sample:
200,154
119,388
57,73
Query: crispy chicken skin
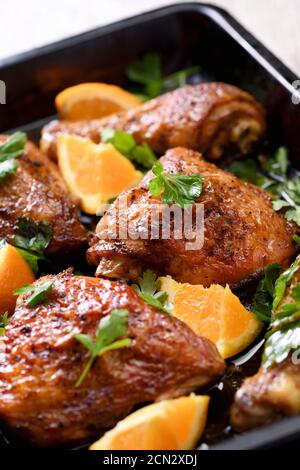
209,117
41,362
242,233
267,396
37,191
272,393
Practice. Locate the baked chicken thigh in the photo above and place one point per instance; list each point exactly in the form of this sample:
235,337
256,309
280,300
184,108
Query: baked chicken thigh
274,391
37,191
242,232
41,361
209,117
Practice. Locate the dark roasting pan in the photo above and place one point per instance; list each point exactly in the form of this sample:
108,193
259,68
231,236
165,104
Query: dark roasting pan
184,34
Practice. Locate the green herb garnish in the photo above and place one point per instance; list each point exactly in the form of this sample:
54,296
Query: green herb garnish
148,289
182,190
296,239
32,236
3,323
39,292
280,343
263,298
10,150
248,170
289,312
111,200
279,163
125,144
291,190
147,72
284,334
7,168
272,175
31,239
295,292
283,282
110,328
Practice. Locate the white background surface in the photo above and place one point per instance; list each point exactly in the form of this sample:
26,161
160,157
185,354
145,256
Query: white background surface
32,23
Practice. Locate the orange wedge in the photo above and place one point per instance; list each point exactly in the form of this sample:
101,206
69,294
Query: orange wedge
215,313
94,173
93,101
14,273
168,425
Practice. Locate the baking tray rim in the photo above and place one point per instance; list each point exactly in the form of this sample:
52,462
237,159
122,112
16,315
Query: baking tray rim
219,15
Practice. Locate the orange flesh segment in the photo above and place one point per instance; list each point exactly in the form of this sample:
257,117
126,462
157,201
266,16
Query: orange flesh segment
113,172
215,313
94,172
200,306
168,425
147,435
239,316
92,109
93,101
14,273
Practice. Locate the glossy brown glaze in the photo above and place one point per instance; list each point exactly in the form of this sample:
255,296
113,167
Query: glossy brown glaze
37,191
42,361
273,392
242,232
210,117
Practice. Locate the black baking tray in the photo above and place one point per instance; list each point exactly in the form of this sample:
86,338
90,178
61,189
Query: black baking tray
184,34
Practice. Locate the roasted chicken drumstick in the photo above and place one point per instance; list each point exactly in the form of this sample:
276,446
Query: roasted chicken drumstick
42,361
242,233
37,191
210,117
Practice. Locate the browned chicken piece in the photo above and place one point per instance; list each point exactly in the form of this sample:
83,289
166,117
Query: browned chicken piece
242,233
37,191
42,361
210,117
274,391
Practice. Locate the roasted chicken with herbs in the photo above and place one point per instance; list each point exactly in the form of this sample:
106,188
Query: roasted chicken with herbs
274,391
214,118
41,361
37,191
242,232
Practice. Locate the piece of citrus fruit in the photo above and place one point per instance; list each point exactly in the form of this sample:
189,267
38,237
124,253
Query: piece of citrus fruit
168,425
93,101
215,313
14,273
95,173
